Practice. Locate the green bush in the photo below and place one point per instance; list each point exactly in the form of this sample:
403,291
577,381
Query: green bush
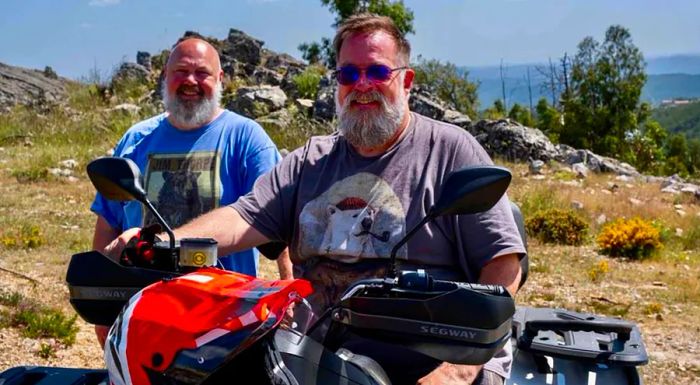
35,320
10,299
49,323
559,226
633,238
307,82
538,199
130,90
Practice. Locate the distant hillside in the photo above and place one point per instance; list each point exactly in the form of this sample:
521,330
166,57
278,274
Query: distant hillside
671,86
674,64
680,118
669,77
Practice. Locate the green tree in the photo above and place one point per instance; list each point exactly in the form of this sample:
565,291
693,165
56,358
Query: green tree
395,10
448,83
677,155
521,115
311,52
694,155
647,145
548,120
497,111
606,83
323,52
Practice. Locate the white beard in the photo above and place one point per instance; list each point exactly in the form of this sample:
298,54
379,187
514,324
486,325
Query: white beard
370,129
191,113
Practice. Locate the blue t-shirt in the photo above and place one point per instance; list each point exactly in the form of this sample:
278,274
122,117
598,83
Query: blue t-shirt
187,173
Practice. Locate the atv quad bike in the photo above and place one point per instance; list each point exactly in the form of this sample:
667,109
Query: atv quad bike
179,322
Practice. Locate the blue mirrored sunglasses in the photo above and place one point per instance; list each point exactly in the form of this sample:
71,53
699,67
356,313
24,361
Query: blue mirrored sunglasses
377,73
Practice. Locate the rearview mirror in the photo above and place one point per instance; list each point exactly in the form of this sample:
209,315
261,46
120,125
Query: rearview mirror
117,179
471,190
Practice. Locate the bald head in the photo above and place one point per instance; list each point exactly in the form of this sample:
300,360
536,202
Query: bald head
195,48
192,87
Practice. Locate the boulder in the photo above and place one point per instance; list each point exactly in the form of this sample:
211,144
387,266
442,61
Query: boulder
258,101
305,106
144,59
594,162
324,106
278,120
264,75
424,103
242,48
535,166
457,118
513,141
283,63
131,72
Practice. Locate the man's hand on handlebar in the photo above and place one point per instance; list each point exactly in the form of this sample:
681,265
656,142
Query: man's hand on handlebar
116,247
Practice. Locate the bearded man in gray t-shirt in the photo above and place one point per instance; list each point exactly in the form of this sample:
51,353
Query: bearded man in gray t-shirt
342,201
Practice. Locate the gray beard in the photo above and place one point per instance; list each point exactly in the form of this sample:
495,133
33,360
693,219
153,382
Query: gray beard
369,129
191,113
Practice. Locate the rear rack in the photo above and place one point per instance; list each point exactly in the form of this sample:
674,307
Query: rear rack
580,336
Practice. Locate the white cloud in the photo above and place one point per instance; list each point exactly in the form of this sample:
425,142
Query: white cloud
103,3
85,25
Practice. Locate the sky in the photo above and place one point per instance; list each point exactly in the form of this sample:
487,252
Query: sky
77,37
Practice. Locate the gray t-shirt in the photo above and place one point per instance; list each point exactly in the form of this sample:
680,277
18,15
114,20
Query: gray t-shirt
341,213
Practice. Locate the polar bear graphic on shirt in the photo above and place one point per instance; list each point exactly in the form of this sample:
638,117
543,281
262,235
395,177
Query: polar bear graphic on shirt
349,232
359,217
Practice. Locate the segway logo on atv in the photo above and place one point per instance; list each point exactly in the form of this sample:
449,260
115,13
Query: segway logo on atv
448,332
105,293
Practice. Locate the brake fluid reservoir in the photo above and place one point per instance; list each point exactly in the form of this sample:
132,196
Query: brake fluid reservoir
198,252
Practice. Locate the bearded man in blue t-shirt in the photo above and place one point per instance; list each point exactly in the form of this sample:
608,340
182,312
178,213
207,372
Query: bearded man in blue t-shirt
195,157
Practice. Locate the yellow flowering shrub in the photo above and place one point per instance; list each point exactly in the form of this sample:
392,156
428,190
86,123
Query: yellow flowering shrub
599,270
27,237
564,227
632,238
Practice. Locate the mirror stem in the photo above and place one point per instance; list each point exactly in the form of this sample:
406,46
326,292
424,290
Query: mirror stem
392,264
162,222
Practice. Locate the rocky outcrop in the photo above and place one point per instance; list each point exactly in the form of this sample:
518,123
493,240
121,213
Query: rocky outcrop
144,59
269,92
324,106
425,103
594,162
240,53
258,101
131,72
513,141
29,87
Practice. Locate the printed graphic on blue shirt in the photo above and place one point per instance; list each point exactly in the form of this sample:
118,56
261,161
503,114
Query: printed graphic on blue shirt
182,186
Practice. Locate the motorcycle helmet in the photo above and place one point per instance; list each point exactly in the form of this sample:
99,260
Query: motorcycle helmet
183,330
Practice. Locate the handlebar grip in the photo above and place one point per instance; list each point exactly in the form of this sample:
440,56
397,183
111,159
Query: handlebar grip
420,280
487,289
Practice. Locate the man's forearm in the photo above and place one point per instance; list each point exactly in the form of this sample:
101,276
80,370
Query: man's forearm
226,226
504,270
284,265
103,235
451,374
